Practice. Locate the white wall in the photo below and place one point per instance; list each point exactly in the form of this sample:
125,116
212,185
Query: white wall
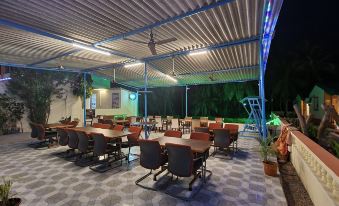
104,101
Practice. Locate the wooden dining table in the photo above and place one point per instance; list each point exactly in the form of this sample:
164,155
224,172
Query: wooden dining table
197,146
58,126
108,133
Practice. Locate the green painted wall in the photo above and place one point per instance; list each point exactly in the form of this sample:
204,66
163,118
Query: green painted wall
100,82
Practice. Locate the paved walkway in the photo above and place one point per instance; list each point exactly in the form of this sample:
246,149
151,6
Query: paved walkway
41,178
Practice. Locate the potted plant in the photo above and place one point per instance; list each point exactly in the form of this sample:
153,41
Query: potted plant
6,198
270,167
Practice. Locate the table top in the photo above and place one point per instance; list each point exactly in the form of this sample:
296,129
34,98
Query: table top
121,121
143,123
199,146
58,125
109,133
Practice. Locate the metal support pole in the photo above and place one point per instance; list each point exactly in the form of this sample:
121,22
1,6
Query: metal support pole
145,99
137,103
84,99
186,90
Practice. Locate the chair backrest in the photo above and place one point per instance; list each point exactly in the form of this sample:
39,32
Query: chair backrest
40,131
175,124
173,133
213,126
63,137
118,127
97,125
134,137
34,132
233,128
169,118
105,126
204,119
158,120
202,129
72,138
180,159
100,144
83,141
188,118
150,154
200,136
222,137
133,119
219,120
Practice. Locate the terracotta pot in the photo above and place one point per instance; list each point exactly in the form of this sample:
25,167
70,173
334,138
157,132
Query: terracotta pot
270,168
13,202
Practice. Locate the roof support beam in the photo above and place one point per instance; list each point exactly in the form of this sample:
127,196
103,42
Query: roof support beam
212,47
38,68
165,21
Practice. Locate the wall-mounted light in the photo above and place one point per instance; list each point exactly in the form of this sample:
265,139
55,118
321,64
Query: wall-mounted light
132,96
133,64
91,48
194,53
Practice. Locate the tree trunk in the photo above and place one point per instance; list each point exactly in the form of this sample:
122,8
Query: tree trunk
302,121
324,121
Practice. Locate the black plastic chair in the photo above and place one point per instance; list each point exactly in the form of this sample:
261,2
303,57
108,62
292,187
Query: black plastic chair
102,148
181,162
45,137
63,137
151,157
85,146
222,141
73,141
132,141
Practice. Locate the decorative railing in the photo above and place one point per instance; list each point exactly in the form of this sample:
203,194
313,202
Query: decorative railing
317,168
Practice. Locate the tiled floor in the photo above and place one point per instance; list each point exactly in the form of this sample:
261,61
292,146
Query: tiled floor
41,178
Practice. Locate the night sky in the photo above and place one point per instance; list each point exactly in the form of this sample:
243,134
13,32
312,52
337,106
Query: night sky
314,20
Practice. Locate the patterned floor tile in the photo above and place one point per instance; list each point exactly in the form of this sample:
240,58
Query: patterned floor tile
42,178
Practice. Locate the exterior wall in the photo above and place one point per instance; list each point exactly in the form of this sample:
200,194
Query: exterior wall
318,93
316,167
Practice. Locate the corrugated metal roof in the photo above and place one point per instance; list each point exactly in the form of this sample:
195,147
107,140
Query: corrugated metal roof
56,24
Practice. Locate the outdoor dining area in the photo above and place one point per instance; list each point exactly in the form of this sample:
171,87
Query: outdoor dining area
203,166
93,130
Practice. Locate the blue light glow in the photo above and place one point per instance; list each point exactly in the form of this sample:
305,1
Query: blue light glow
132,96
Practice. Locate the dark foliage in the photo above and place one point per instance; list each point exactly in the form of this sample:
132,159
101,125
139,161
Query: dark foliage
11,112
203,100
36,90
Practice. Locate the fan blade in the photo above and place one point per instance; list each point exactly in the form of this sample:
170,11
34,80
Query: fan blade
151,46
136,41
165,41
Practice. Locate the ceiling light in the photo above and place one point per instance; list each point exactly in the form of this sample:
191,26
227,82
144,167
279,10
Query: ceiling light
91,48
133,64
193,53
171,78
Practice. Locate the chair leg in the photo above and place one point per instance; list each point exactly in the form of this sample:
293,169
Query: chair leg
158,173
142,178
193,180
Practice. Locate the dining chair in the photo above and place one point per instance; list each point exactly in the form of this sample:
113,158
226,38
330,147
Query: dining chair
105,126
173,133
158,126
203,121
200,136
202,129
85,143
118,127
132,141
234,133
219,120
222,140
102,148
175,124
45,136
213,126
181,162
63,137
152,157
97,125
73,141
